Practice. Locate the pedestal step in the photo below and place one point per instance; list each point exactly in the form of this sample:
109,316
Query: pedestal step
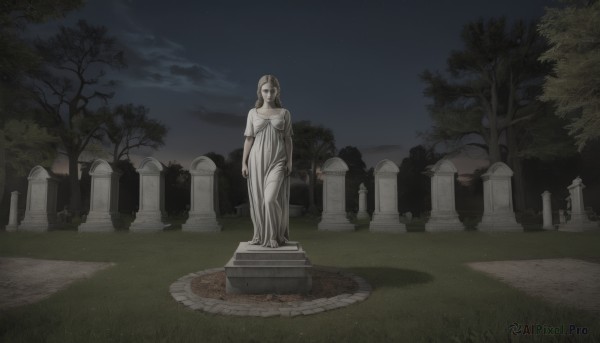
259,270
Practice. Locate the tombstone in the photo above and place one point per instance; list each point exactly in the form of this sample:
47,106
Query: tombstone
13,214
203,208
443,210
362,202
151,214
296,210
242,210
408,216
546,211
385,215
562,218
334,217
40,208
578,219
104,199
498,213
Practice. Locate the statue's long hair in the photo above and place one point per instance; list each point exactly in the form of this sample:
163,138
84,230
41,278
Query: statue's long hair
264,80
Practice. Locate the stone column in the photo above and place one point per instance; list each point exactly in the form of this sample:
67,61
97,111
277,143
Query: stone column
579,220
104,199
202,215
385,215
498,213
151,215
334,217
40,208
362,202
13,214
547,211
443,210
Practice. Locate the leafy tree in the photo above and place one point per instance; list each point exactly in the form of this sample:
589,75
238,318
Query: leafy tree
223,182
23,143
128,127
354,177
177,188
312,146
68,85
238,193
414,187
491,93
573,86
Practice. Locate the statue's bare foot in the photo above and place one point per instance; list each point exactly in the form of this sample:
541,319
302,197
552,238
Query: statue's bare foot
273,244
254,242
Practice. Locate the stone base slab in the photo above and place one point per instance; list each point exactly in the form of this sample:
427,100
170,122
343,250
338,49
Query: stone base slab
381,226
96,227
339,226
500,223
579,227
258,270
201,225
444,223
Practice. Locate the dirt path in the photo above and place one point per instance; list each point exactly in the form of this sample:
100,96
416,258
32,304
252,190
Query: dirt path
564,281
26,280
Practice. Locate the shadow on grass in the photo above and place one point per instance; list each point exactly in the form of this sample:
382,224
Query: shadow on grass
379,277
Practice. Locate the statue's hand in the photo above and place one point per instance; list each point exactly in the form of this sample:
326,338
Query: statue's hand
245,170
289,168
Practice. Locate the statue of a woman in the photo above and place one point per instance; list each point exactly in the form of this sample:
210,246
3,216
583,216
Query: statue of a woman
267,164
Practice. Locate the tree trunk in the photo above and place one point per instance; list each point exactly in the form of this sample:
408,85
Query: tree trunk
2,166
75,199
515,163
312,208
494,148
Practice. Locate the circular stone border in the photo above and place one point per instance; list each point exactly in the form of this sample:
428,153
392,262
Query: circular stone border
181,290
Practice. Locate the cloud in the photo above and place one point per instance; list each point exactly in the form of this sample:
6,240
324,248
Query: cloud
155,61
218,118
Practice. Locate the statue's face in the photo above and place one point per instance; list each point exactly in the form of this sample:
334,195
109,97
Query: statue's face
268,92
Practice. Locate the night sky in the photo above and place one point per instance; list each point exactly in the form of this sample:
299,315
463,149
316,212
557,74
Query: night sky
351,66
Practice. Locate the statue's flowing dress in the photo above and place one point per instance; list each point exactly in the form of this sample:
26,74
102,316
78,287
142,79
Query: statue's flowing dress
268,182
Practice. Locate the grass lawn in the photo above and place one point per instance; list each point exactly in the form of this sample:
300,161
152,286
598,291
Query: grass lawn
423,291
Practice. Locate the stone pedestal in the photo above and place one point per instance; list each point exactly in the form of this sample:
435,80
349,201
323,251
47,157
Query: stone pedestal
579,220
254,269
547,211
151,214
498,213
362,202
40,208
443,211
13,214
334,217
104,199
202,215
385,215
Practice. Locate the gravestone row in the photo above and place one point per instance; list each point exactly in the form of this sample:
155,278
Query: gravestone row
498,215
40,210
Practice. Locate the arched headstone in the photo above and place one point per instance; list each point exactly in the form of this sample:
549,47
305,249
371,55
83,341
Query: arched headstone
385,215
498,213
40,208
151,214
362,202
104,199
204,193
547,211
443,210
579,220
334,217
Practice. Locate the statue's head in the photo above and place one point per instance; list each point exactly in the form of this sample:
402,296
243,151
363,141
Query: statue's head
271,82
